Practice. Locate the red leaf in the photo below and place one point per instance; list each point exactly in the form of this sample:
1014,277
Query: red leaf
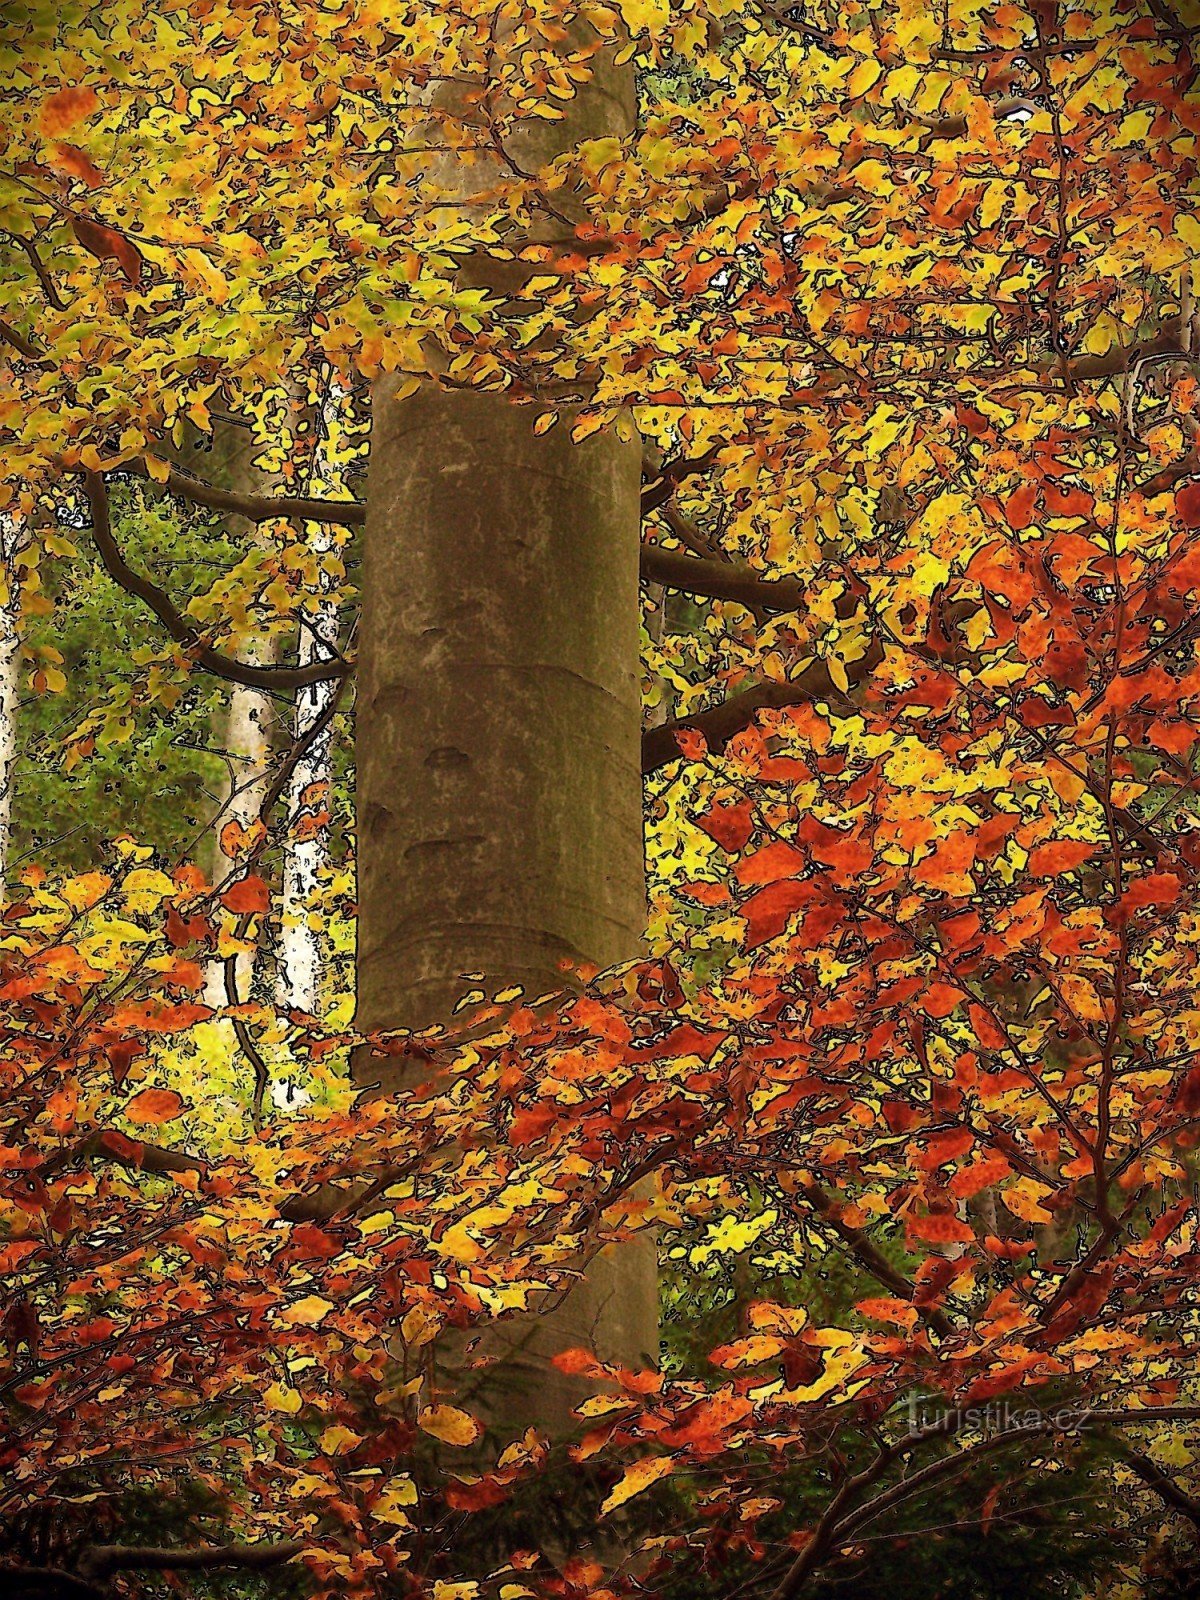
1187,505
777,860
106,244
1155,889
941,1229
1018,508
69,158
730,825
986,1030
183,931
247,895
155,1105
941,999
767,912
1060,855
11,1255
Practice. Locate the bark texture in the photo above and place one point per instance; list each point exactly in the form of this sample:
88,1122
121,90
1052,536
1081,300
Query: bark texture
498,753
226,458
499,788
11,538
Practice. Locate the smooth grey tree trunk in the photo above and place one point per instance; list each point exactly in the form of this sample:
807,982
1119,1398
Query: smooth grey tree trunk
498,737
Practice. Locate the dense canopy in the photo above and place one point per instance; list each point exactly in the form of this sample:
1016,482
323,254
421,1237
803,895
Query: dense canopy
900,300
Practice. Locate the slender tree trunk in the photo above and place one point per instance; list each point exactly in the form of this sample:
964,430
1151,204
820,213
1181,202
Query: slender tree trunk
498,769
226,457
10,683
306,848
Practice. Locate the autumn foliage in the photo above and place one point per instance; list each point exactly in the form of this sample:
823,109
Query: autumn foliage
900,298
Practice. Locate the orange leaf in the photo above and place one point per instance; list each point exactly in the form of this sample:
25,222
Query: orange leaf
1187,505
155,1105
1060,855
941,1228
64,109
69,158
106,244
986,1031
247,895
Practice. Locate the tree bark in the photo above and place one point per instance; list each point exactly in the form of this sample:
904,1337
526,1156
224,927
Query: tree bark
227,458
498,770
10,684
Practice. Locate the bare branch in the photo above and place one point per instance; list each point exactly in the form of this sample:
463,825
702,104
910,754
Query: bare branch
1164,1486
103,1559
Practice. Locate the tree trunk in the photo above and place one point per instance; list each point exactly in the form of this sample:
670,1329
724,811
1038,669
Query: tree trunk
226,457
498,770
306,851
10,684
305,847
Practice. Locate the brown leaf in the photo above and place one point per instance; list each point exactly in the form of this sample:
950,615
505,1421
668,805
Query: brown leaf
106,244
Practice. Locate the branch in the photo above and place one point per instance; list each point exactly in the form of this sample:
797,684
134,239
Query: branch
717,580
782,17
955,127
875,1262
107,1145
692,537
1165,1487
178,626
720,724
46,1583
1121,358
834,1531
256,507
22,345
103,1559
662,481
39,267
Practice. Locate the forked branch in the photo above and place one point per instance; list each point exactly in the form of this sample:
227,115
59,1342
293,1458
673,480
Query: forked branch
183,631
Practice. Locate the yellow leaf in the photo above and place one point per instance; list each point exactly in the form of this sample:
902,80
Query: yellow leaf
591,422
545,422
307,1312
1023,1198
389,1507
1081,997
280,1398
635,1479
860,80
158,469
450,1425
336,1440
419,1326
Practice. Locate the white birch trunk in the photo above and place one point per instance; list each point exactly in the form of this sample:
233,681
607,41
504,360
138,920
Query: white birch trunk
306,846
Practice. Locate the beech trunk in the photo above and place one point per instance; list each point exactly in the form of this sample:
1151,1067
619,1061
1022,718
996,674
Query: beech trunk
498,737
